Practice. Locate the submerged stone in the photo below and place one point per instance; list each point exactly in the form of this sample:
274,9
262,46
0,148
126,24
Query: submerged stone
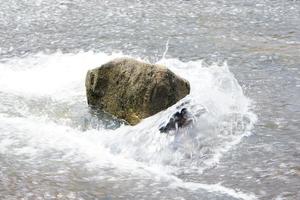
178,120
133,90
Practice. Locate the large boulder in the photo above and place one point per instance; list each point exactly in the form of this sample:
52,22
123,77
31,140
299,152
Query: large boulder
133,90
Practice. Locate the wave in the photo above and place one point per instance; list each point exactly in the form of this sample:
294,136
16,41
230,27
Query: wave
44,108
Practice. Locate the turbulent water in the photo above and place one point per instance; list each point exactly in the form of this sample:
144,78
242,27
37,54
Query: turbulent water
241,58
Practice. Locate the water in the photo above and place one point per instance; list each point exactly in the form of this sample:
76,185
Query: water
241,58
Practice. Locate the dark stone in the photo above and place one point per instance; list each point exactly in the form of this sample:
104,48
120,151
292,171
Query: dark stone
178,120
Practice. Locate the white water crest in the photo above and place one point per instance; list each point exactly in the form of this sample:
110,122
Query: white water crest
44,112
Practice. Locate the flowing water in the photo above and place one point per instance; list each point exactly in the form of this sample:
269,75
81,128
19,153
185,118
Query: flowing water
242,59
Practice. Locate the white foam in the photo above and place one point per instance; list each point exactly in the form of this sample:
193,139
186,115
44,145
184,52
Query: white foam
58,75
215,188
226,121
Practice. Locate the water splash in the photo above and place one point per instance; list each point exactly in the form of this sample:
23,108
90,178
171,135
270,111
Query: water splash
46,92
166,49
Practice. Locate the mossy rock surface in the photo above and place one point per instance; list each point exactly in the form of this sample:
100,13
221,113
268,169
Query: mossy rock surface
133,90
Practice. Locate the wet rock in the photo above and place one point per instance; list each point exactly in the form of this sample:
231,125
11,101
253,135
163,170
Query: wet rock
133,90
178,120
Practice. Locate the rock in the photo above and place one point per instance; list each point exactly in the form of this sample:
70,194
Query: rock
178,120
133,90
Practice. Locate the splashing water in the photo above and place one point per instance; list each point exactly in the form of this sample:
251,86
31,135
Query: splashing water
44,115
